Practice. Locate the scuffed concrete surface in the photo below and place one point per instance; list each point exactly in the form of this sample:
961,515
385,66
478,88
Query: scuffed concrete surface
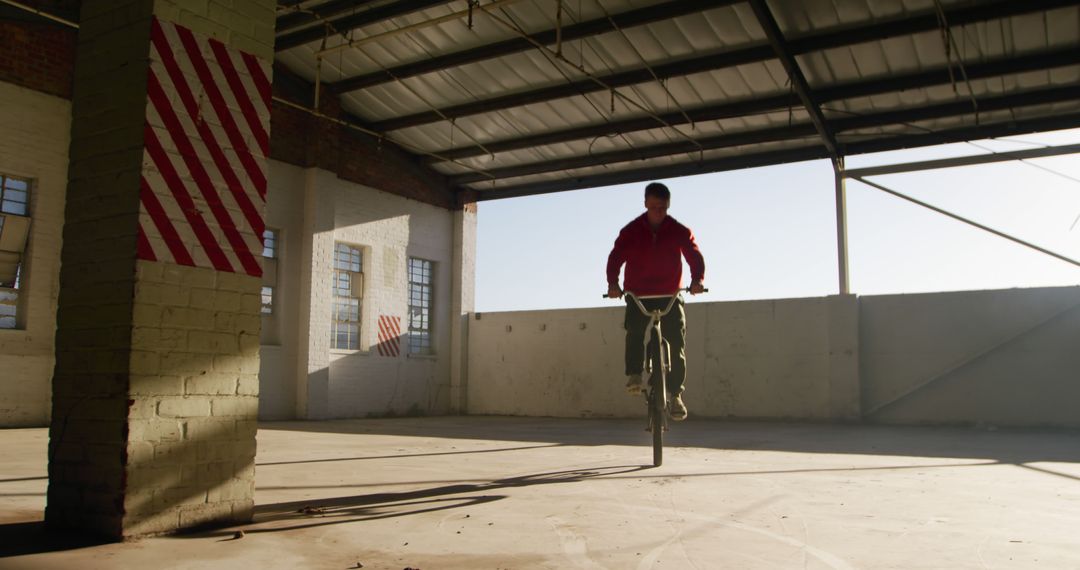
516,493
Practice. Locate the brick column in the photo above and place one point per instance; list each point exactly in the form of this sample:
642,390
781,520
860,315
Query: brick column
156,383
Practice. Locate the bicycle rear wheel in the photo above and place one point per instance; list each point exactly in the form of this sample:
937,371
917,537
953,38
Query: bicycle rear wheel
656,420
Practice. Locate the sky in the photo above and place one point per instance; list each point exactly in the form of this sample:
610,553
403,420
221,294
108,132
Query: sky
770,232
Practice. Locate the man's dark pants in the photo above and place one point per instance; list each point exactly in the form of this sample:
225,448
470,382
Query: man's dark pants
674,331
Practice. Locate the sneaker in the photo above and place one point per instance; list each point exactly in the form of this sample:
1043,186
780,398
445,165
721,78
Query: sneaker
633,384
677,408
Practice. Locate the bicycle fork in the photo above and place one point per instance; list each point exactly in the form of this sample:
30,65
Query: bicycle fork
658,388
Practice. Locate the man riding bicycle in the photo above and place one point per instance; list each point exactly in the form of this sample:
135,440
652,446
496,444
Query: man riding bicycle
652,247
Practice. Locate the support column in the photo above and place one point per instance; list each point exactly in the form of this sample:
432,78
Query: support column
841,226
317,258
463,304
156,381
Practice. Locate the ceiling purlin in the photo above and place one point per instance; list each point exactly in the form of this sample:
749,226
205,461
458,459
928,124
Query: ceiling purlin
1039,61
584,86
929,20
768,158
632,18
347,23
795,76
776,134
712,62
715,112
302,17
786,51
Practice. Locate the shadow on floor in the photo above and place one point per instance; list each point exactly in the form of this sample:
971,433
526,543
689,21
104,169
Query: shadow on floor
404,455
32,537
1006,445
296,515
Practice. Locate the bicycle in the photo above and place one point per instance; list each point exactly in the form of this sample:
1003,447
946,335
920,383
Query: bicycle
656,396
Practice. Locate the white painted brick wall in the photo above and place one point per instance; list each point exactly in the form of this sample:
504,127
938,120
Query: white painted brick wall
285,213
247,25
194,394
36,131
388,229
391,229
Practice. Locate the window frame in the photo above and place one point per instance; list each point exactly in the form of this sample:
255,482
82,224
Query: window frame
266,298
344,273
6,190
419,345
16,321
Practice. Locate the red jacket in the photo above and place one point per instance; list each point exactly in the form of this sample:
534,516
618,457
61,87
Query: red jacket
653,260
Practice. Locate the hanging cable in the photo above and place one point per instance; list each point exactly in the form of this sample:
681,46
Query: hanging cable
949,42
544,49
420,25
379,136
626,38
464,89
558,27
423,100
553,60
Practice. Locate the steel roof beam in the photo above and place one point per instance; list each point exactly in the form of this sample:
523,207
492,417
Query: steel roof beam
964,134
353,21
774,134
713,62
767,158
298,18
795,75
1007,128
1025,154
659,12
994,68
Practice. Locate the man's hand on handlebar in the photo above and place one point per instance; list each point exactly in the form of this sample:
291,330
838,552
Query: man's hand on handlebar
614,292
696,288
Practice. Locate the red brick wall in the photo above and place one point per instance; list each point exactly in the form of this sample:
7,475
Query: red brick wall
39,56
305,140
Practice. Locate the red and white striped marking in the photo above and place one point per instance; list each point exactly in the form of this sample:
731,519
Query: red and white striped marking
389,336
204,163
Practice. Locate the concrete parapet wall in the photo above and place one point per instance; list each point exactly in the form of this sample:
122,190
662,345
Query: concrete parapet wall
563,363
746,359
995,357
785,358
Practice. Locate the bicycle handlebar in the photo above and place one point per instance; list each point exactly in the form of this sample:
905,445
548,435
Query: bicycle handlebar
657,314
683,290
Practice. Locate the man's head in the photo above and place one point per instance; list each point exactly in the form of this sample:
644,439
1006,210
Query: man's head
657,200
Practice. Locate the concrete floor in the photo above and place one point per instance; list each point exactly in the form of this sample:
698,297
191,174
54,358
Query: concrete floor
493,493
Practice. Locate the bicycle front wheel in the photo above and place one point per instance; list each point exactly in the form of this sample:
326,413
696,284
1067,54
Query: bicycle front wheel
656,410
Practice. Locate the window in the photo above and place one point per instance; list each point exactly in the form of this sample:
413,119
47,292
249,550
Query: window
270,238
420,306
14,231
14,195
267,300
348,292
269,253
